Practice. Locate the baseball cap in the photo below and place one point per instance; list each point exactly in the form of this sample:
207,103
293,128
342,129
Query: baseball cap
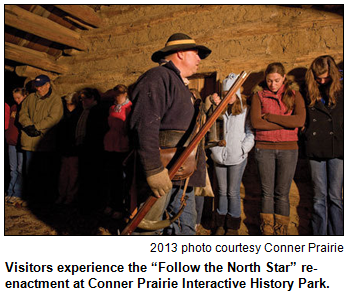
41,80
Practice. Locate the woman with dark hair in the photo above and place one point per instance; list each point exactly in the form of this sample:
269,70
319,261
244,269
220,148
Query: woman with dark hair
68,176
277,111
324,144
90,131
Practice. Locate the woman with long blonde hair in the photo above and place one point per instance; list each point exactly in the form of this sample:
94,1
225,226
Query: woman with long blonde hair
324,144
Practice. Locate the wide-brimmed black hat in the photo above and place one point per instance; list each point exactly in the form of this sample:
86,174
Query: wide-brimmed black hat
178,42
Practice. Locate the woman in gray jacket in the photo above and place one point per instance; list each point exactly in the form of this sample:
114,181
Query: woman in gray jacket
230,161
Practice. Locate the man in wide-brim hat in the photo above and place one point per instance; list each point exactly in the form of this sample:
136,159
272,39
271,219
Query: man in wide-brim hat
180,42
162,116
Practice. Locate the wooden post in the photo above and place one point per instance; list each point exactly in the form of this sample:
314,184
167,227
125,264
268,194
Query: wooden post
32,57
31,72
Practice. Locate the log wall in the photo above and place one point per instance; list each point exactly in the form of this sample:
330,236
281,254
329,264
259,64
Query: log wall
242,37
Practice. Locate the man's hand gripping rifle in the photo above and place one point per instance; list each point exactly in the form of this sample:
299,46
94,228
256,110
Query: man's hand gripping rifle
144,209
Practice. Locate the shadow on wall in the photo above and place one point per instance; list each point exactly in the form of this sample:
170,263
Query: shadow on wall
337,8
254,79
298,75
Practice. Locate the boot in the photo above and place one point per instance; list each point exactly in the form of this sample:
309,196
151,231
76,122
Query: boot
219,224
281,224
232,225
267,224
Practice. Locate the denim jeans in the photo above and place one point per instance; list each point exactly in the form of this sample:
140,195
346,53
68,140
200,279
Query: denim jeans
229,179
276,169
186,224
327,178
16,166
199,208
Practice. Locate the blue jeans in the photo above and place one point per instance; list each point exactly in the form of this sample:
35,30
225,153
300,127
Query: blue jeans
327,178
186,224
16,166
199,208
229,179
276,169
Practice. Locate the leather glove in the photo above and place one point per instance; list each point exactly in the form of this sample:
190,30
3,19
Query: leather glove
160,183
31,131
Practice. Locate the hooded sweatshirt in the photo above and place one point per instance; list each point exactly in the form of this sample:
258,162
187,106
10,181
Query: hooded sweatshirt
237,133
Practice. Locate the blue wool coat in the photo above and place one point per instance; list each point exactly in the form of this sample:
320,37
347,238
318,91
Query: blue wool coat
161,101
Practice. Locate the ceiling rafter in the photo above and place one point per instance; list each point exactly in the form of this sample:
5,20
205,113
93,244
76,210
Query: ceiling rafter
84,13
32,57
29,22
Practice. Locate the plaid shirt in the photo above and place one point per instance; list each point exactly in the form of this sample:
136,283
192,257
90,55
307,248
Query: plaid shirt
272,103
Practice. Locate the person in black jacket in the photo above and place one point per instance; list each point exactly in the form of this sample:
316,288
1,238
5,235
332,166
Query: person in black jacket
68,176
324,144
89,136
161,116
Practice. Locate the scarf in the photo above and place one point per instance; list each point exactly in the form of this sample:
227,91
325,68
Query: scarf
81,124
118,107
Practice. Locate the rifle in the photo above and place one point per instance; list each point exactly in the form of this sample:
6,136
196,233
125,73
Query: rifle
132,225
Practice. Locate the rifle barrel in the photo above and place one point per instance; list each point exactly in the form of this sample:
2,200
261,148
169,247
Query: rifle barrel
144,209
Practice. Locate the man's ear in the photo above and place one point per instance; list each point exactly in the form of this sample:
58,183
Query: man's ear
180,55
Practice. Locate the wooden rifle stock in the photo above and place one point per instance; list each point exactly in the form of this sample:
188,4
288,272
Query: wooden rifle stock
144,209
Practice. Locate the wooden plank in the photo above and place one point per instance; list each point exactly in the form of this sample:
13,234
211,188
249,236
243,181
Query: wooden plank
71,52
34,24
32,57
32,72
9,68
20,40
81,24
84,13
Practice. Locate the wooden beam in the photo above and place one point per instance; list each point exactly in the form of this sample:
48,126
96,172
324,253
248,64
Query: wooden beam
40,26
32,57
71,52
9,68
82,12
31,72
81,24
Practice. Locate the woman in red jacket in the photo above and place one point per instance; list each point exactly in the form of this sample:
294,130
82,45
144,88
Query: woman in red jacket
116,145
14,191
277,110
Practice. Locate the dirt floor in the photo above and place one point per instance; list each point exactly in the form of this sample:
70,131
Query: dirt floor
47,218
